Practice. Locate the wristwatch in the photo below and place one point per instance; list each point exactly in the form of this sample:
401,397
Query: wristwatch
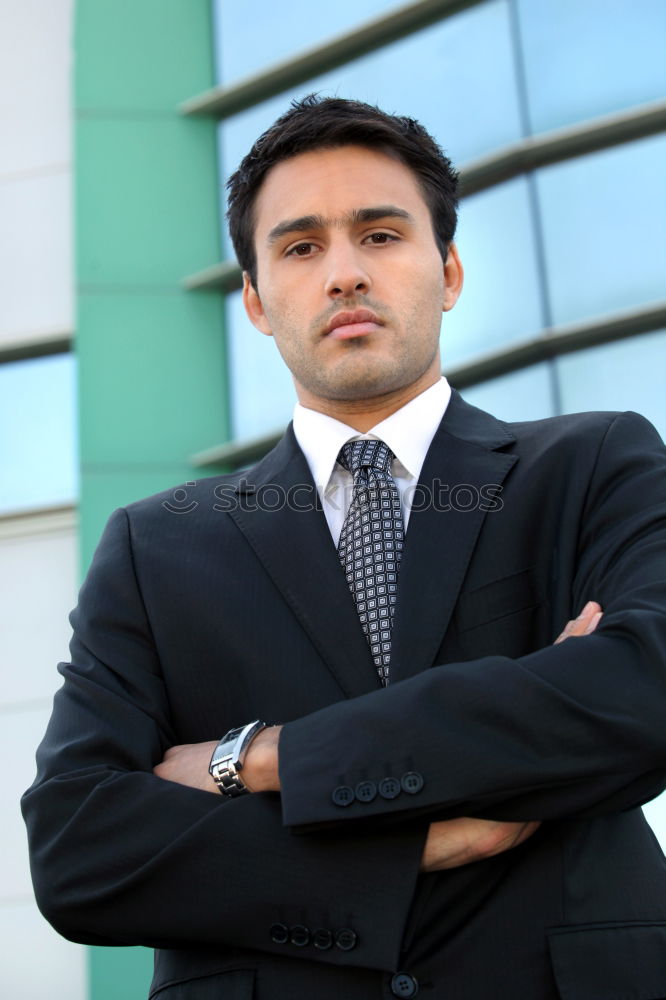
229,757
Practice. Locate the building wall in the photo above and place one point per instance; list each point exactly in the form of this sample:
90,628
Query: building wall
38,530
151,357
35,170
38,576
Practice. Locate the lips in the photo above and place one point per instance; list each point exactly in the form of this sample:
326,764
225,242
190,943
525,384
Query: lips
353,323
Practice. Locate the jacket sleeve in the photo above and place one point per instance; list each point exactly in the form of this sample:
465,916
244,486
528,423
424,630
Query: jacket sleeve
120,856
577,729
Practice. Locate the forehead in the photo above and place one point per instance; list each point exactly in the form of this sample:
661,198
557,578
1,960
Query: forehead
334,182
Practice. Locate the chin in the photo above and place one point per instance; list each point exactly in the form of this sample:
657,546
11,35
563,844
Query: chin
364,385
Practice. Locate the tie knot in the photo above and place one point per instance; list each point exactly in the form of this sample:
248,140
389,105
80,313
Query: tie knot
357,455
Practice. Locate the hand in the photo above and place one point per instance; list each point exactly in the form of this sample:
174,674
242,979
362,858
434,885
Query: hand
187,764
586,622
454,842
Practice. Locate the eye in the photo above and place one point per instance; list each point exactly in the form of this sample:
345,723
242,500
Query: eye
380,239
301,250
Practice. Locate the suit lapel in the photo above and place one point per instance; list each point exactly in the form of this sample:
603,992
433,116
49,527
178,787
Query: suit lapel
440,541
280,515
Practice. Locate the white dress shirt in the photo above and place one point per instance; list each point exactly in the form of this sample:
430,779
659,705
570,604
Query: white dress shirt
408,433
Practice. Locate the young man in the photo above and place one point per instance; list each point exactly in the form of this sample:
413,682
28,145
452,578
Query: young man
447,802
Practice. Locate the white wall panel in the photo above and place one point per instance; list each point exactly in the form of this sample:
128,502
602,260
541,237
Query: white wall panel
36,270
36,266
35,962
38,587
35,87
20,734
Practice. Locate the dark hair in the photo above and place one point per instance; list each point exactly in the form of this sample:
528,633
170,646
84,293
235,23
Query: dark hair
326,123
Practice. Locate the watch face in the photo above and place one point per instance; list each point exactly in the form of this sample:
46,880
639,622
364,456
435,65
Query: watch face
233,734
226,746
232,745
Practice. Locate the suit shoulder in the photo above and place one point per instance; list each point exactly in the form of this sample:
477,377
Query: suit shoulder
587,426
185,496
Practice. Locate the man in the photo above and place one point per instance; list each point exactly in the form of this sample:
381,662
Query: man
448,801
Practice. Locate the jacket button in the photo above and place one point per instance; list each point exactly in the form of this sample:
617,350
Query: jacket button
346,939
389,788
343,795
366,791
412,782
279,933
323,938
404,985
300,935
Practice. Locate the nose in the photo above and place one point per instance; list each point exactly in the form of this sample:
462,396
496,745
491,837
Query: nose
346,275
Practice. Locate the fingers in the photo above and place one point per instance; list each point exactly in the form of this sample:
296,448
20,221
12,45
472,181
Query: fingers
585,624
461,841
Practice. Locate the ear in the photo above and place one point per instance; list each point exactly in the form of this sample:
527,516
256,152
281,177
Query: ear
453,278
253,306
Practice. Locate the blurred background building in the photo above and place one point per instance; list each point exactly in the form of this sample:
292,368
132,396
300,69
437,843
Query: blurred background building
126,364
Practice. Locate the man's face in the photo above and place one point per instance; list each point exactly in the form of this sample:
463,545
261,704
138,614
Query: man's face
350,280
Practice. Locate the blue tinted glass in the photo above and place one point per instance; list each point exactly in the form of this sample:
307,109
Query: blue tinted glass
655,813
500,300
589,57
627,375
604,220
38,456
262,392
249,38
523,395
432,75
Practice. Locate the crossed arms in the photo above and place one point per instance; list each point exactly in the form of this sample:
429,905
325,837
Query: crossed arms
449,843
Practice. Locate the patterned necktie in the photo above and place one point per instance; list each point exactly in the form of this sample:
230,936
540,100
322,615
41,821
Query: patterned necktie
371,542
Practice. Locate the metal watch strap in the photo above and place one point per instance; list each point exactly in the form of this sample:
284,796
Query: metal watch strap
228,780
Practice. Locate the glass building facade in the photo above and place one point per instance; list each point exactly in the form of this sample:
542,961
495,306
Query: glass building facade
130,365
575,241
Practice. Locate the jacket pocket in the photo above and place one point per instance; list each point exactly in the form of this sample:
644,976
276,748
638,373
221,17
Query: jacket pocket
610,961
233,984
498,599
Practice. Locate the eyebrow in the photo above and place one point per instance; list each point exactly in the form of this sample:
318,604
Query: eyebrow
356,216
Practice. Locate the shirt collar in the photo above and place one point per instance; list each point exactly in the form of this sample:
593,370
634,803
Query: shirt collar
408,432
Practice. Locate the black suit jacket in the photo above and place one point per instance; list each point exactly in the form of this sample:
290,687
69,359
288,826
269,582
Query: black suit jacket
201,612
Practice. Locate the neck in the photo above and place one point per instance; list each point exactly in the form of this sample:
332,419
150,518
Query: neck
363,414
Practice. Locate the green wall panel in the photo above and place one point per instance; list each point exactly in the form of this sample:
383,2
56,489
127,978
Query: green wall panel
141,55
142,217
152,371
119,973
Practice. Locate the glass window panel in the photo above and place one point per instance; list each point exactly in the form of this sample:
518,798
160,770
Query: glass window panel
38,455
500,300
245,45
522,395
585,58
626,375
432,75
655,813
262,392
604,219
